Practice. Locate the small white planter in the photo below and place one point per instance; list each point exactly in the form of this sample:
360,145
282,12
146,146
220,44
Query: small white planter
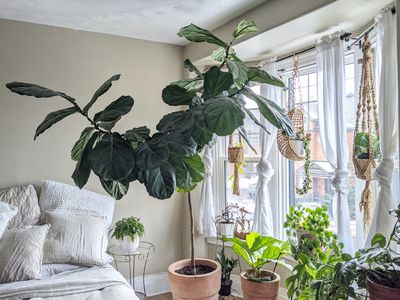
226,229
128,245
297,146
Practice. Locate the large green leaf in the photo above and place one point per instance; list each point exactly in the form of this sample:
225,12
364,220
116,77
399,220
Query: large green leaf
215,82
222,116
82,170
80,144
100,91
117,189
190,84
179,143
160,181
138,134
152,153
191,67
245,26
271,111
219,54
238,70
258,75
176,121
53,118
255,119
175,95
30,89
196,34
115,110
112,158
189,171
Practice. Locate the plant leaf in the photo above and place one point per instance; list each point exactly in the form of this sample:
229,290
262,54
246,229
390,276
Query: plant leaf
80,144
160,181
175,95
258,75
138,134
100,91
238,70
215,82
152,153
30,89
179,143
255,120
197,34
378,240
242,132
112,158
189,170
117,189
191,67
115,109
245,26
53,118
82,170
222,116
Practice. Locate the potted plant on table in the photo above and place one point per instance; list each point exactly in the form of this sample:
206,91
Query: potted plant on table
257,251
128,231
227,266
168,160
226,221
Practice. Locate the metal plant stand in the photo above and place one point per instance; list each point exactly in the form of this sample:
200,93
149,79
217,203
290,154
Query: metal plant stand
143,252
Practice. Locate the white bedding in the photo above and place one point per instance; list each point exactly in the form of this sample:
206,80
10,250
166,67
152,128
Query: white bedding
100,283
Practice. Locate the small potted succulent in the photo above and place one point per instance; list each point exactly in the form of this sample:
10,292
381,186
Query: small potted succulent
361,145
128,231
256,250
227,266
242,223
226,221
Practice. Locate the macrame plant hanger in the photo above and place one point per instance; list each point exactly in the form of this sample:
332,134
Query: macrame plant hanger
367,114
235,156
296,116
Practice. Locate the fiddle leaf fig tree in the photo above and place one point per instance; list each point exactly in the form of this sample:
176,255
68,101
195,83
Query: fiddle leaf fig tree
168,159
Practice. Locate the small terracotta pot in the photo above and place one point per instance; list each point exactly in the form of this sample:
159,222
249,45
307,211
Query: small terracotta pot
267,290
379,292
204,287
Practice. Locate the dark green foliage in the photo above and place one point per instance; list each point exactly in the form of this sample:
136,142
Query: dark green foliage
167,160
227,264
128,227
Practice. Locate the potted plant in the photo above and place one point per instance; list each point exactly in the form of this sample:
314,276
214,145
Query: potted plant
314,248
361,145
128,231
243,221
169,160
257,250
227,266
297,142
226,221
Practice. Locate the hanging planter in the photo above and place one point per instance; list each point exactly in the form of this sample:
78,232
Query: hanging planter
366,134
236,156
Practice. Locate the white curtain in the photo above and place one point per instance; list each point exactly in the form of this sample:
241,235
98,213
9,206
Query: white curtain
386,61
263,218
332,122
206,225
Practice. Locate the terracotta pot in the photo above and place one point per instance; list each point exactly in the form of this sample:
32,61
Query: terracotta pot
379,292
267,290
204,287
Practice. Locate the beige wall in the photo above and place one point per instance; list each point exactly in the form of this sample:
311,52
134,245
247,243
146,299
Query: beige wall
77,63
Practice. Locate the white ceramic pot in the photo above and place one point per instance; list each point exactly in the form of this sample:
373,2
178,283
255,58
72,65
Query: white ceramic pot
128,245
226,229
297,146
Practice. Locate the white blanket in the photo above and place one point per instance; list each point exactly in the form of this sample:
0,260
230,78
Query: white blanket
100,283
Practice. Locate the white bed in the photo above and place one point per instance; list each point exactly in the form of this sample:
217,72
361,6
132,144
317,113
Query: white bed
103,283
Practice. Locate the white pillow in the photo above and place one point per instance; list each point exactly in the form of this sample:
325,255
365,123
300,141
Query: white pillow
63,198
25,199
21,253
49,270
7,212
75,239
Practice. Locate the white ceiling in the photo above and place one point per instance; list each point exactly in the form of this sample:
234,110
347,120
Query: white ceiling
155,20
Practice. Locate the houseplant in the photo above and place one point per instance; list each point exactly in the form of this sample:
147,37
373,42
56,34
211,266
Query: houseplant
226,221
227,266
243,221
361,145
168,160
257,251
128,231
314,248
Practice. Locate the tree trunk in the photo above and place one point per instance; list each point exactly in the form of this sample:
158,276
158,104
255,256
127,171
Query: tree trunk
192,261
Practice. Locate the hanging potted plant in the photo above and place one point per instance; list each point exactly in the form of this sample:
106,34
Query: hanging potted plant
226,221
169,159
128,231
242,228
361,146
227,266
297,142
257,250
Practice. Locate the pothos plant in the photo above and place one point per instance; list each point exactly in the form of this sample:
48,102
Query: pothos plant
306,138
168,159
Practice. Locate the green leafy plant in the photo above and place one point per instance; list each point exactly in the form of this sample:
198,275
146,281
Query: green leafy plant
128,227
361,145
227,264
168,159
315,249
228,215
259,250
306,139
